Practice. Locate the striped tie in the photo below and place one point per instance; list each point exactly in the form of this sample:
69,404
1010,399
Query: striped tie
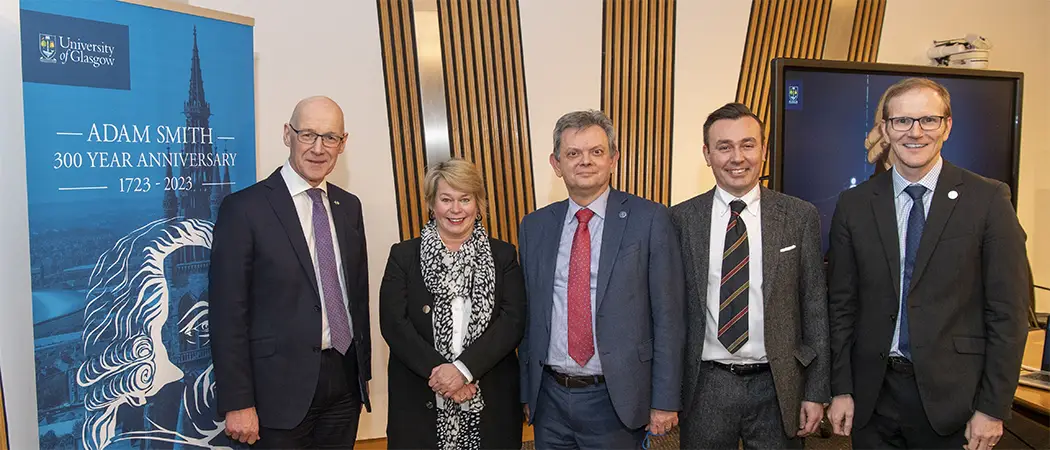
732,311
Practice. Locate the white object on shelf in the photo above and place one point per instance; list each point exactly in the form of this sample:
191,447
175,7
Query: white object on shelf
972,52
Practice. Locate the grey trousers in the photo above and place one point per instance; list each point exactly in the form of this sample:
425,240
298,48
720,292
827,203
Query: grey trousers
731,408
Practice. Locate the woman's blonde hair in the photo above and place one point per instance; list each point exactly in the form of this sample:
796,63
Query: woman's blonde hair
460,175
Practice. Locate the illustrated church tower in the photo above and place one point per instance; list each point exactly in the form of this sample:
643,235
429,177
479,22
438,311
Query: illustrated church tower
171,203
196,202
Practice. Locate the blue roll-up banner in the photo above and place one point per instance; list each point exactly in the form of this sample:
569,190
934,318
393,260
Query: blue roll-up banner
138,122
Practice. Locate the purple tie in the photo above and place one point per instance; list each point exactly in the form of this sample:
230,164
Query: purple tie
338,323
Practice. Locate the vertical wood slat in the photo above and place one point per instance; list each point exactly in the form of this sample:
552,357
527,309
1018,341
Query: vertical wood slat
637,92
641,103
778,28
404,112
867,30
485,85
667,131
482,148
808,36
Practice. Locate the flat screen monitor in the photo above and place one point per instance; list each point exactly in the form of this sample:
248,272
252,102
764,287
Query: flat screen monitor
822,112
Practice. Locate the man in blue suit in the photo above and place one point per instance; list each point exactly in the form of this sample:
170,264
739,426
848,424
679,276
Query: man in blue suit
602,353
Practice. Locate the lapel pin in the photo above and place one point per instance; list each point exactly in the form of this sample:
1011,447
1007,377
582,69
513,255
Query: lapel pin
335,201
952,195
623,214
426,309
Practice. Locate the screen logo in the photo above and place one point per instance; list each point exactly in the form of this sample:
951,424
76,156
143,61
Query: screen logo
794,95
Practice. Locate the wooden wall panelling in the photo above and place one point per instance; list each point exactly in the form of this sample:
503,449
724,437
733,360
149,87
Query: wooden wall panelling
637,92
404,111
867,30
487,108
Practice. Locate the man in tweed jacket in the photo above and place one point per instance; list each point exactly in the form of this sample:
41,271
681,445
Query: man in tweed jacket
757,355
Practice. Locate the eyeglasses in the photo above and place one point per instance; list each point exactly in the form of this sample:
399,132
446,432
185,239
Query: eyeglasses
928,123
309,137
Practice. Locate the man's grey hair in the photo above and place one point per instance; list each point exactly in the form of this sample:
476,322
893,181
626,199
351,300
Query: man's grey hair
580,120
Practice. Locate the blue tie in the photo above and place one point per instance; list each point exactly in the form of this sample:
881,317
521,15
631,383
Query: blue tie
916,222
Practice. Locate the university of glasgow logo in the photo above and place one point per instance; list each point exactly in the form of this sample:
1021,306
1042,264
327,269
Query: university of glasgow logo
794,95
74,51
47,48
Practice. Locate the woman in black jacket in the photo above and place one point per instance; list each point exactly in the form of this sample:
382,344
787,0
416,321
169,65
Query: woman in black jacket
451,308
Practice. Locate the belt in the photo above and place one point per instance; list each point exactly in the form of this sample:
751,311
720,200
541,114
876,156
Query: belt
900,364
571,381
740,369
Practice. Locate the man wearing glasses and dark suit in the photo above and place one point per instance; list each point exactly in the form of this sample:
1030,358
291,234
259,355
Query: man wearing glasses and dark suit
289,297
928,287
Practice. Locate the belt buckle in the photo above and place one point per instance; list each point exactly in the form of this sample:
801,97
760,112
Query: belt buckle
733,369
562,379
566,381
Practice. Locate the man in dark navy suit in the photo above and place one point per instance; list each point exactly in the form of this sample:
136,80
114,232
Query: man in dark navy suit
289,290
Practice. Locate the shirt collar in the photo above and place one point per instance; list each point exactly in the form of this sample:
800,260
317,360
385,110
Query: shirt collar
598,206
929,181
296,183
750,199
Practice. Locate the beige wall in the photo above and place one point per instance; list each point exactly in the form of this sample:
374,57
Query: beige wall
348,69
562,51
709,44
1014,28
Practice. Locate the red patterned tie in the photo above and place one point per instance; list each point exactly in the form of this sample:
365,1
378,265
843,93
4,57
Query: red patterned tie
581,332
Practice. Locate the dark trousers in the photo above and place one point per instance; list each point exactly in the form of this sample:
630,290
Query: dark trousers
730,408
580,418
331,421
899,420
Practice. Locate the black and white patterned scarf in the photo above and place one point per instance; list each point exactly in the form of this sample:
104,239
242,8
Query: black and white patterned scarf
468,273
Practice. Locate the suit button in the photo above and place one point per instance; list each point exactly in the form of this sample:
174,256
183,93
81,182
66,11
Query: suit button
893,317
317,349
317,308
430,405
426,309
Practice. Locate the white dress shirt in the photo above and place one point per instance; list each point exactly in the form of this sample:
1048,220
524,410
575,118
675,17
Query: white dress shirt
754,350
297,187
903,203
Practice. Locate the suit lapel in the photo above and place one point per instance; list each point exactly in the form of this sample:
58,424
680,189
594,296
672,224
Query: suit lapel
339,217
698,234
549,255
886,220
700,220
940,211
616,216
281,201
772,239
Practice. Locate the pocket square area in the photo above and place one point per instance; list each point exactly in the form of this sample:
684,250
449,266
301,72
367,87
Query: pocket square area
787,249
